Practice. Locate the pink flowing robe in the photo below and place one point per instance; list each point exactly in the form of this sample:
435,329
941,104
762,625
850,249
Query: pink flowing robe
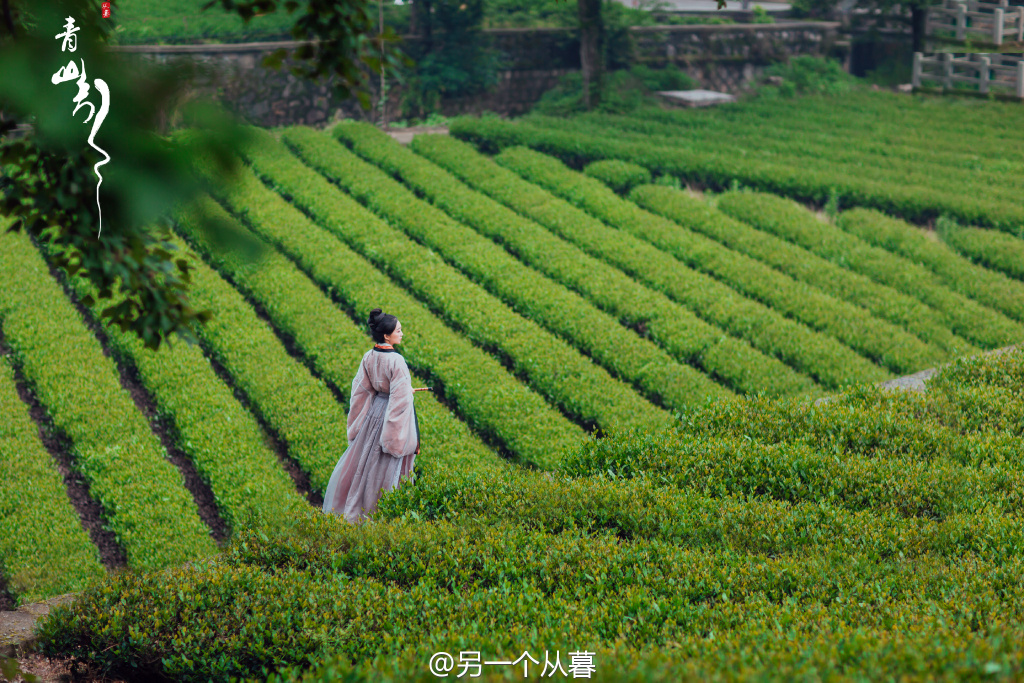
383,435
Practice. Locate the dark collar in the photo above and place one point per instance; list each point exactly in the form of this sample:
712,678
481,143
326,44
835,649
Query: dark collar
377,348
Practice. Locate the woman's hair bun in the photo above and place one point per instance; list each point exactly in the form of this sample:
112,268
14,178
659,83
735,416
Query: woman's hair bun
375,315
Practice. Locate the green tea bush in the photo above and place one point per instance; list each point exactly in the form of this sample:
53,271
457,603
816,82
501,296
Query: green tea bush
989,248
808,75
620,176
884,302
992,289
786,219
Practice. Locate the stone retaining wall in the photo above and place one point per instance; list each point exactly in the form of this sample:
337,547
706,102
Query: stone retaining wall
722,58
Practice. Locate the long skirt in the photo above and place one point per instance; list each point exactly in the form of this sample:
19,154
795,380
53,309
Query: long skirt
365,471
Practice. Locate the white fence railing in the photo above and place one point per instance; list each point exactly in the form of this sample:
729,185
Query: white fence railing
986,70
995,22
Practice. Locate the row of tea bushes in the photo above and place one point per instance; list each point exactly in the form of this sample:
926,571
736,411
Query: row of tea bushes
852,325
884,131
674,327
144,501
787,219
325,335
798,149
221,438
795,472
620,176
718,171
474,381
992,289
404,553
297,406
491,588
765,134
44,551
644,509
894,124
822,357
565,376
989,248
765,330
875,422
882,301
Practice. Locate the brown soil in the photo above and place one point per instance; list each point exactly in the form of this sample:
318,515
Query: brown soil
60,670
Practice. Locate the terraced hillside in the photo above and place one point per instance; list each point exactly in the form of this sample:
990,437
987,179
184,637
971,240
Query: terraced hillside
624,374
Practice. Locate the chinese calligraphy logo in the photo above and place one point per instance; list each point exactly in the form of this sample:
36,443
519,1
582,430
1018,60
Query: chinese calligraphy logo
70,73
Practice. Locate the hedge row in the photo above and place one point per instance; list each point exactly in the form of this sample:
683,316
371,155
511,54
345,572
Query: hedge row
773,134
789,220
297,406
852,325
989,248
473,380
678,330
884,127
994,290
717,171
219,619
44,551
935,488
816,354
801,264
486,556
644,509
144,500
874,422
799,149
621,176
222,439
326,336
568,378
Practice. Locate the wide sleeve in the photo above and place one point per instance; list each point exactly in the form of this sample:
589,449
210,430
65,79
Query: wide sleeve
400,435
359,401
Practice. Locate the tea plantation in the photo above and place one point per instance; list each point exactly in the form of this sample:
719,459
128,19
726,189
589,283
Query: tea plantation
625,462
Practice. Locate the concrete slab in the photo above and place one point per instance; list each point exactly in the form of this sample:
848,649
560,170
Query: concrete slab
696,98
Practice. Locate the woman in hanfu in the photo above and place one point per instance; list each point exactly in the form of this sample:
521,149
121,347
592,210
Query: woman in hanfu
383,432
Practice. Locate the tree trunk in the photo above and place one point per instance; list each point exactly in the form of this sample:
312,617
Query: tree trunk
918,14
590,50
